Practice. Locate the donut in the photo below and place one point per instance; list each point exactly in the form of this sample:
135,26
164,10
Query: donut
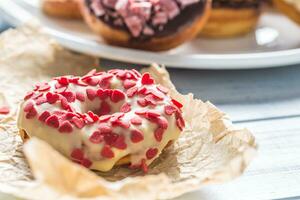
103,119
61,8
154,25
230,18
291,8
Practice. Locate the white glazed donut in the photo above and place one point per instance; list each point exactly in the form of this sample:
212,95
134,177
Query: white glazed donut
103,118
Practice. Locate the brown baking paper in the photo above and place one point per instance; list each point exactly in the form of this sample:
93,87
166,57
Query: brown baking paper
209,150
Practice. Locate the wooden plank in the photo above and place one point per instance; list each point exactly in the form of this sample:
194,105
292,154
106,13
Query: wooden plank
274,174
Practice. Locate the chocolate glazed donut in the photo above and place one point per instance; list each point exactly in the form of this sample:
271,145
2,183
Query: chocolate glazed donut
146,24
231,18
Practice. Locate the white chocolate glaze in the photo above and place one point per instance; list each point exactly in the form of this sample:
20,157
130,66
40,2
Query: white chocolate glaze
80,138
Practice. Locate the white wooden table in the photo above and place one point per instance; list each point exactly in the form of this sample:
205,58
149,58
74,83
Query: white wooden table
267,102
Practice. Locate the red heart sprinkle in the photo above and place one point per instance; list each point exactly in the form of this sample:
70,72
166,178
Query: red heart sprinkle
128,84
44,87
29,106
31,114
105,129
150,99
132,91
136,136
169,110
79,123
125,108
180,123
64,103
77,154
120,123
142,102
92,81
92,72
147,79
52,98
41,101
120,143
96,137
162,122
104,108
104,118
117,95
107,152
52,121
103,94
86,163
70,96
28,95
63,81
65,127
162,89
110,138
136,121
142,90
176,103
158,133
91,94
152,114
93,116
44,116
144,166
4,110
151,153
80,96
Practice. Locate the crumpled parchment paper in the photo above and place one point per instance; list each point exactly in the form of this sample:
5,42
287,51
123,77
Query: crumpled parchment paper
210,149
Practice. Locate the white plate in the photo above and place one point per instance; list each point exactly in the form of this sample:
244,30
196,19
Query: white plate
276,42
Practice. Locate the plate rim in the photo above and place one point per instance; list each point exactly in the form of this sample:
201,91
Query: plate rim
191,61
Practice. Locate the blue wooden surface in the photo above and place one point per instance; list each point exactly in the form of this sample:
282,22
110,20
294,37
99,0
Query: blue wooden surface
267,101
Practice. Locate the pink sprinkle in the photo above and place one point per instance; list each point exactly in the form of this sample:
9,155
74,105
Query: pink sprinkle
136,121
136,136
79,123
125,108
150,99
80,96
41,101
44,87
92,81
28,95
77,154
96,137
128,83
151,153
92,72
65,127
107,152
121,124
134,25
158,133
44,116
162,89
132,91
4,110
117,95
169,110
152,114
29,106
52,121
